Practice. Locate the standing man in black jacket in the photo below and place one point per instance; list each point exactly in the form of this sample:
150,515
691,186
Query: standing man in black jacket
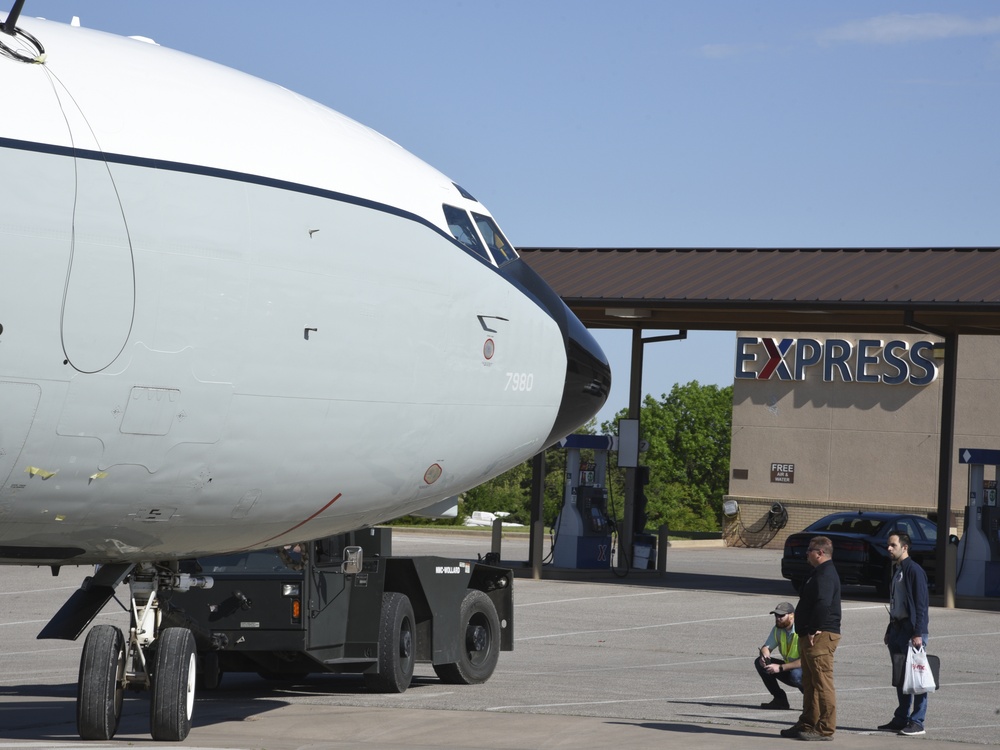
817,622
908,626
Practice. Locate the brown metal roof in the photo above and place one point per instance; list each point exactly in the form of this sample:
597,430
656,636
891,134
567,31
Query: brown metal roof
933,289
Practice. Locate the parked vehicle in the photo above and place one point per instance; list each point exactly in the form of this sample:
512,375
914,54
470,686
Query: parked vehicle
345,604
859,547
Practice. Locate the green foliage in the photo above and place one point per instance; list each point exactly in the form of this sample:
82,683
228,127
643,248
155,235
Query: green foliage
420,521
689,433
511,491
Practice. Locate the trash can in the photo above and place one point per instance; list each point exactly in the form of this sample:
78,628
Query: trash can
644,552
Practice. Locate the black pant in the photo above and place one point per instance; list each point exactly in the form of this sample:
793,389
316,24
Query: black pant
791,677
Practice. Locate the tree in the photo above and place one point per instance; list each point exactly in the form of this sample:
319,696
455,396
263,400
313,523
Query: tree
508,492
511,491
689,433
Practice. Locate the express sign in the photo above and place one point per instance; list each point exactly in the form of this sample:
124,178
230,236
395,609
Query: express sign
867,361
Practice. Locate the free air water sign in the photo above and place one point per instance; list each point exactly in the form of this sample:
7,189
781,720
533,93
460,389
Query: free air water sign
863,361
783,473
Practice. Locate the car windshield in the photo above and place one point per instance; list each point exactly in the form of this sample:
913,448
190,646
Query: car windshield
929,529
849,523
915,527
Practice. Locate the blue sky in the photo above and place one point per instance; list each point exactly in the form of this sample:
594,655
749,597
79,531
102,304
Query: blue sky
648,123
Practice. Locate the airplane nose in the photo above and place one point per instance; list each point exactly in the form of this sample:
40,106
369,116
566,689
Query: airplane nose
588,379
588,374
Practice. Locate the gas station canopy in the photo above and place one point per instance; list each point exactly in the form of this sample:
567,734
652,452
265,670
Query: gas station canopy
945,292
880,290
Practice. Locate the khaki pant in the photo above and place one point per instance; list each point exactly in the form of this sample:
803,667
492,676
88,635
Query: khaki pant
819,698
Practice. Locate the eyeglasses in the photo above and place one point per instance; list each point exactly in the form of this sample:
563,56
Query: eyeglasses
813,549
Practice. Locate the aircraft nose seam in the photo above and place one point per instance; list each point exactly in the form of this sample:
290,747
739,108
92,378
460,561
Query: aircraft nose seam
299,524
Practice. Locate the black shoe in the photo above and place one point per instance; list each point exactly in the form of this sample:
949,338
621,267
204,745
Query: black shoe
778,704
792,732
912,729
892,726
815,737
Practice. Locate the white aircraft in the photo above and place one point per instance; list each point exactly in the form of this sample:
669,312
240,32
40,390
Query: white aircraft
233,318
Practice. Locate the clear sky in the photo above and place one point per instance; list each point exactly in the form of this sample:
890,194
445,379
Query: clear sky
647,123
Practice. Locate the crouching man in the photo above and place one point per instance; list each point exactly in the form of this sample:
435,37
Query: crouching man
788,669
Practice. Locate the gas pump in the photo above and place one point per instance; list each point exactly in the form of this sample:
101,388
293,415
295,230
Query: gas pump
978,572
583,528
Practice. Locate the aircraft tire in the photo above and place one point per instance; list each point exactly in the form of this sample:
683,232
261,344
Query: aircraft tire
479,626
175,672
101,688
396,646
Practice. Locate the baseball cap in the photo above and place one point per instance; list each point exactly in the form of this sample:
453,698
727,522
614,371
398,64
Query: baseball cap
783,608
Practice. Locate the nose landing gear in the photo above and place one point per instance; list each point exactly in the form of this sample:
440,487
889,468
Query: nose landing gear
160,660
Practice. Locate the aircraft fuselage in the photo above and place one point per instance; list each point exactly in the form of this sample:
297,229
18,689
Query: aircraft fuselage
233,318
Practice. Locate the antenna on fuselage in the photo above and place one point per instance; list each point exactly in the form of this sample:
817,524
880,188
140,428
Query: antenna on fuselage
10,25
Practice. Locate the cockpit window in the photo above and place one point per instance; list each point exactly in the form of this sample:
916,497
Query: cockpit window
495,241
463,192
461,227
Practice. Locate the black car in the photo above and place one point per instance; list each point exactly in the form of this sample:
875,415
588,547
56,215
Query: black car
859,547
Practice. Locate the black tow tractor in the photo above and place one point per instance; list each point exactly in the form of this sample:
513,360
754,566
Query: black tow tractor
342,604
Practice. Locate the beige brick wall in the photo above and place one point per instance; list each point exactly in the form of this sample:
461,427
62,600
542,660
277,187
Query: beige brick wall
854,445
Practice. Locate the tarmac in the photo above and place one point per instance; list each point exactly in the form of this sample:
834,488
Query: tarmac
632,662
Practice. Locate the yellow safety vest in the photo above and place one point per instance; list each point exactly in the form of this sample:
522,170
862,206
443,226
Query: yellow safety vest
789,648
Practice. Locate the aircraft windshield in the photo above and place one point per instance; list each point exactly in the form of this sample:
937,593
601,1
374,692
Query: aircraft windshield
497,243
461,227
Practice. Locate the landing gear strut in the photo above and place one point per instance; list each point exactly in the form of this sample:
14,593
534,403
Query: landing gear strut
152,657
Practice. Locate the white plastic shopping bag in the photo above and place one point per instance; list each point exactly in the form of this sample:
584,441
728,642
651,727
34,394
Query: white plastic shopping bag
917,677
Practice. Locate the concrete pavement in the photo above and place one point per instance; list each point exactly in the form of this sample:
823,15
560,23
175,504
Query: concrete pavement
632,663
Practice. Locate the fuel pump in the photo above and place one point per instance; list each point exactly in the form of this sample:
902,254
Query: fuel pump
991,518
978,571
583,529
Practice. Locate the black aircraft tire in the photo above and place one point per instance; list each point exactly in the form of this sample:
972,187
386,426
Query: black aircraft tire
174,674
479,651
100,688
396,646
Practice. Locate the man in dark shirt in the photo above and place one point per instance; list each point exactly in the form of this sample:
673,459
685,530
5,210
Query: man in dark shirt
817,622
908,626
